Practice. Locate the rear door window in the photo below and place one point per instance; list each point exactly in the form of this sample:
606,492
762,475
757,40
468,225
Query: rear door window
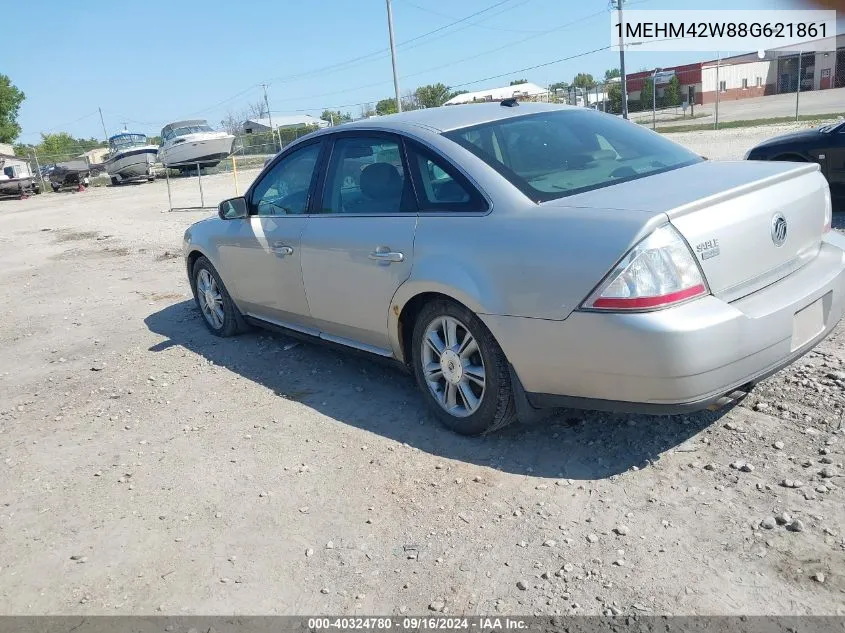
366,175
439,185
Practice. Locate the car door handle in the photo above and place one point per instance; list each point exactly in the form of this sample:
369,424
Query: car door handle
382,254
282,249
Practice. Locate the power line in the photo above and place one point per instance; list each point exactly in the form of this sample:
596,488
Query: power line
466,83
477,24
383,51
450,63
521,70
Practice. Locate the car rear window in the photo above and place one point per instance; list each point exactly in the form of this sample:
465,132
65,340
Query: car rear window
554,154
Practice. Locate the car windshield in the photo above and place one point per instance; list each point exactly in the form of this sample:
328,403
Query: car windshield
560,153
833,127
192,129
128,140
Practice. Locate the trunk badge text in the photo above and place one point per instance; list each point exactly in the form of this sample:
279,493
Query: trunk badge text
708,249
779,229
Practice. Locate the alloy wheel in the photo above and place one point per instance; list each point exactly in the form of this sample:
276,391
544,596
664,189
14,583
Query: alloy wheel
452,366
210,299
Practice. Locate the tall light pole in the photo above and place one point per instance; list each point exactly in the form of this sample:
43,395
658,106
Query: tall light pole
393,55
270,120
104,124
617,4
798,92
654,99
718,90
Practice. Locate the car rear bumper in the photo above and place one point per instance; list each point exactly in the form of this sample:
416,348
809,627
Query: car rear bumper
680,359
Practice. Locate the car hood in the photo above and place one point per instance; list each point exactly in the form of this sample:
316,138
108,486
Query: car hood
801,135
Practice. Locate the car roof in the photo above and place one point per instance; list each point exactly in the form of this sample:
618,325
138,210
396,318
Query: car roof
446,118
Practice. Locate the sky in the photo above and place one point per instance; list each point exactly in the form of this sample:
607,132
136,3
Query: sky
149,63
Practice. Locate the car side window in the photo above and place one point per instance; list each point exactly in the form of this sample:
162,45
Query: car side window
441,187
284,189
366,175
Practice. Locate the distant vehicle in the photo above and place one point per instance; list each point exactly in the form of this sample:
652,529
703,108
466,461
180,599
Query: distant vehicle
824,145
17,180
186,144
131,158
516,257
73,174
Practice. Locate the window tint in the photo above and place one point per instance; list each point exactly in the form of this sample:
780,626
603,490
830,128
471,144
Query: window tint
284,189
366,175
440,187
559,153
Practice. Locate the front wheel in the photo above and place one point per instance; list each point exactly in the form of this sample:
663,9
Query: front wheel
219,312
461,370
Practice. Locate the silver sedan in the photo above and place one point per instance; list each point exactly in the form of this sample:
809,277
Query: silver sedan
518,257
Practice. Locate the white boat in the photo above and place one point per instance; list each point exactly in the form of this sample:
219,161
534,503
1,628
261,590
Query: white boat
131,157
185,144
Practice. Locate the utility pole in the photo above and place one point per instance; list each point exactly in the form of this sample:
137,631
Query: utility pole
38,168
393,55
617,4
718,90
104,124
654,99
798,92
270,119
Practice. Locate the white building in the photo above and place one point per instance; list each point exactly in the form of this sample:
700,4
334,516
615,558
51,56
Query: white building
282,122
527,91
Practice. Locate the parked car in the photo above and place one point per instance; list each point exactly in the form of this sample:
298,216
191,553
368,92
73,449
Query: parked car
517,257
824,145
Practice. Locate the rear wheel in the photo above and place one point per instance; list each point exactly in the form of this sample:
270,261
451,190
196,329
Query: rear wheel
114,181
461,370
219,312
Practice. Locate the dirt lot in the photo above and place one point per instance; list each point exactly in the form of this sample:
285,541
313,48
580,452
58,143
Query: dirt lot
149,467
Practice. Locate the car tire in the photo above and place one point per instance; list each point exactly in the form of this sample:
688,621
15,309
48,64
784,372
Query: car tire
223,319
456,396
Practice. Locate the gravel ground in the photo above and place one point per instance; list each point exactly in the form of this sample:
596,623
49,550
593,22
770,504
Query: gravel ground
148,467
732,143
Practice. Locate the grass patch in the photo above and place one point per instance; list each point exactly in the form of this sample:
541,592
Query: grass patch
749,122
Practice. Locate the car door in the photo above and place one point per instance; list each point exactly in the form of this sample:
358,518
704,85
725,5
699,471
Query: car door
836,168
261,254
358,246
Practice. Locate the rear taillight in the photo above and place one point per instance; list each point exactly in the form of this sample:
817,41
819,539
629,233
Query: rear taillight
828,212
658,272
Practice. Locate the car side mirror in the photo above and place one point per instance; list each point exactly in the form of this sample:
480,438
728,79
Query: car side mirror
233,209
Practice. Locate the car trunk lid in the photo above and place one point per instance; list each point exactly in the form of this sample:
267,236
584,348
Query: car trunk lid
748,223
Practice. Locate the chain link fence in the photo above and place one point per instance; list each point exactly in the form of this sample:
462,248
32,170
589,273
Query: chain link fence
742,90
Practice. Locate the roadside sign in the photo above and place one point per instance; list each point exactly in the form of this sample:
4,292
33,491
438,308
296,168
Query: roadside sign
663,77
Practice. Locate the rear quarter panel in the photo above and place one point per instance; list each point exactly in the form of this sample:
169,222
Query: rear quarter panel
535,261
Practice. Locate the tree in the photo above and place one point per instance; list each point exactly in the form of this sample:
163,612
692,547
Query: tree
335,117
367,110
409,101
386,106
614,98
516,82
559,85
432,95
611,73
58,147
232,122
672,92
583,80
257,110
10,102
647,94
